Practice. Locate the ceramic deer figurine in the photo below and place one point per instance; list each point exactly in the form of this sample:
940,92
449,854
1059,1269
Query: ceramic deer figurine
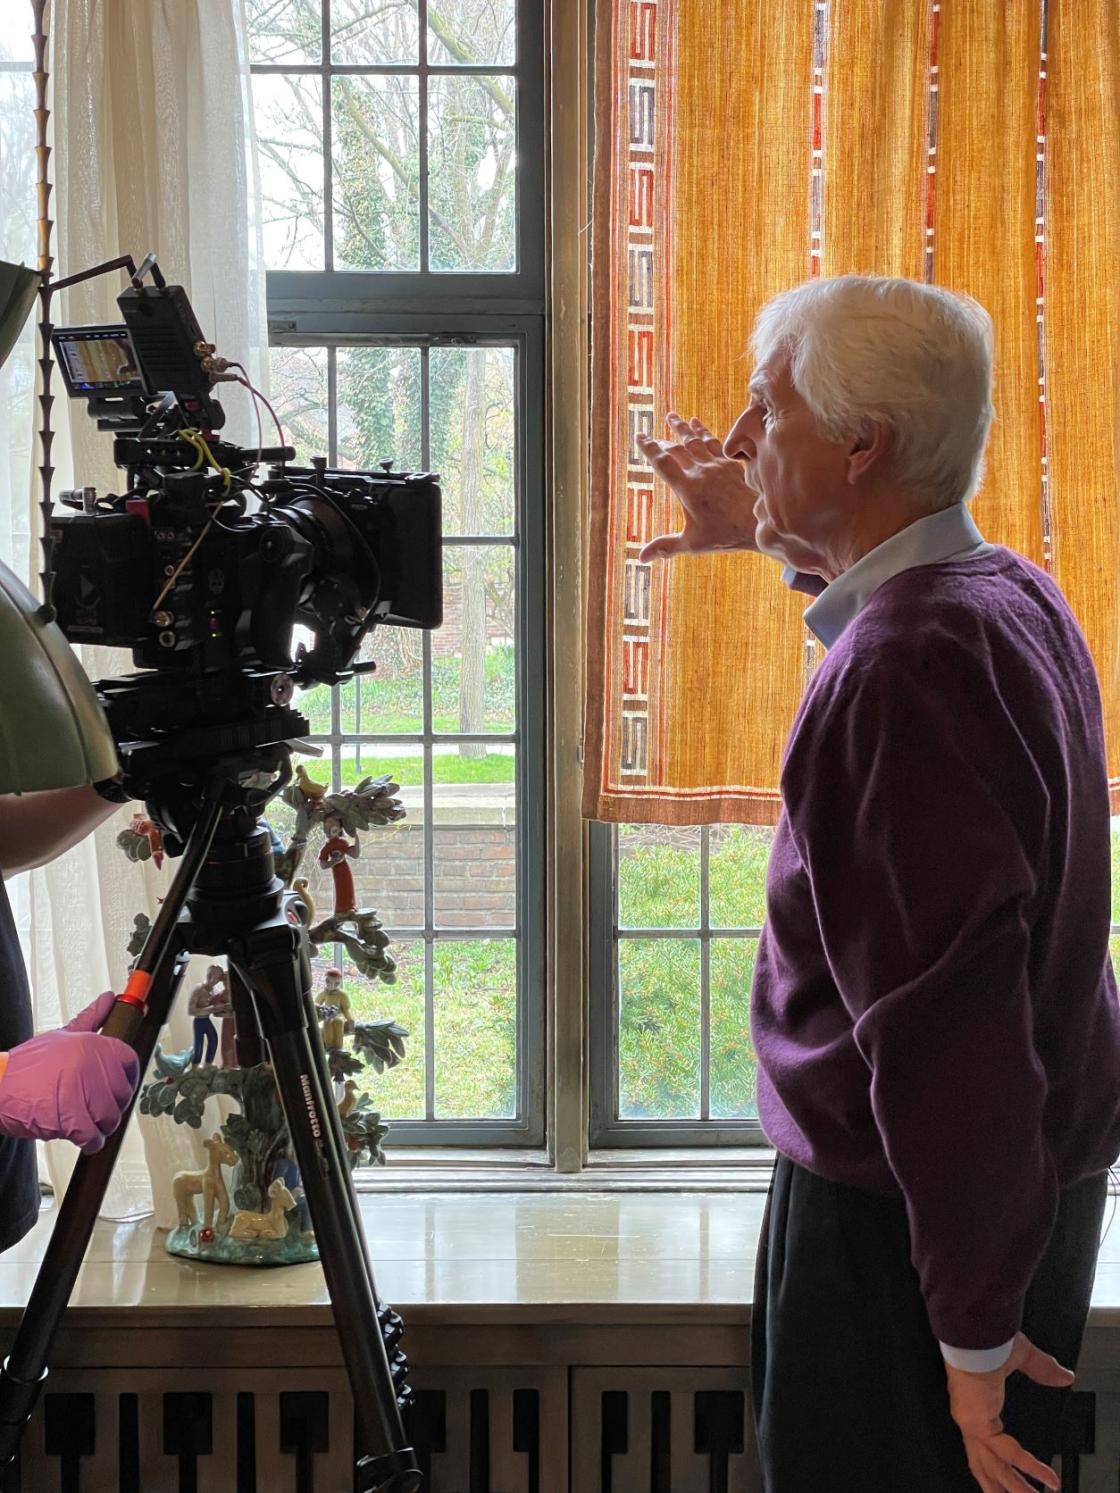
210,1183
270,1225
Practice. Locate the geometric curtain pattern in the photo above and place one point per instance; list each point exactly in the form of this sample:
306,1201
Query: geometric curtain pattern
743,146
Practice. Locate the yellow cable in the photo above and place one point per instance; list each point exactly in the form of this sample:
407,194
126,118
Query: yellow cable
197,440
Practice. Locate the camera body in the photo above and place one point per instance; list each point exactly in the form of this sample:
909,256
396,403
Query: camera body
188,586
200,567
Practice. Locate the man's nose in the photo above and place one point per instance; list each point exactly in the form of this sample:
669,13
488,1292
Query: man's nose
738,443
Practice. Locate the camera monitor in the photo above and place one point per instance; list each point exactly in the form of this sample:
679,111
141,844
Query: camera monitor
97,360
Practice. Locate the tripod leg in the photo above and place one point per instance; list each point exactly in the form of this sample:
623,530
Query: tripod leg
24,1370
273,964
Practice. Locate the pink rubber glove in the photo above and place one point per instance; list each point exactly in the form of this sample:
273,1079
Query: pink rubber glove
71,1084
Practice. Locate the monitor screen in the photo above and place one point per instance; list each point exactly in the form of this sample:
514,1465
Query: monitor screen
97,360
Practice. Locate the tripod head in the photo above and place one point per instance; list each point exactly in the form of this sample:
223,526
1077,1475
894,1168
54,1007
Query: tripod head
238,726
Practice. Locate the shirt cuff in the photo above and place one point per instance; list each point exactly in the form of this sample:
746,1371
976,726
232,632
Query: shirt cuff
977,1360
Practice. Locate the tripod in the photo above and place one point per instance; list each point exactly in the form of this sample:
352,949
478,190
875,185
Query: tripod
227,900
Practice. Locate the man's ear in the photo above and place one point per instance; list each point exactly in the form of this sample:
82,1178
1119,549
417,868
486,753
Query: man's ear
869,449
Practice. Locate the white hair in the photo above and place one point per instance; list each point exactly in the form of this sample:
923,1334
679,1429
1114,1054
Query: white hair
917,357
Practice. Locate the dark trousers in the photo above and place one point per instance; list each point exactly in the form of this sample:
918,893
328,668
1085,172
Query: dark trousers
848,1381
204,1032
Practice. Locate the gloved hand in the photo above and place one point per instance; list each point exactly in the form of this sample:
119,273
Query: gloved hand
71,1084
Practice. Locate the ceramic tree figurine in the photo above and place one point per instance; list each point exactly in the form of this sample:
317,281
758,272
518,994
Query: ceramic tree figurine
262,1218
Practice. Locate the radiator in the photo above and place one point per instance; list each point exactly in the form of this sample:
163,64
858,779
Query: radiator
562,1429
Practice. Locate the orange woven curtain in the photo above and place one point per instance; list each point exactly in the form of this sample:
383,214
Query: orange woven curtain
744,146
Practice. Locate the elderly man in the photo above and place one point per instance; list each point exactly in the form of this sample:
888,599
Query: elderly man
934,1010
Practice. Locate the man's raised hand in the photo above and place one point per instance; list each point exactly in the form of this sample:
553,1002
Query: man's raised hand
711,488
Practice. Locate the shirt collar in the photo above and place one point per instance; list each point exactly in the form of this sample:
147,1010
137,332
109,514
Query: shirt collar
949,534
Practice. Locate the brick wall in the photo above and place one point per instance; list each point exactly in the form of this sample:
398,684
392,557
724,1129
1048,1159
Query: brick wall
474,872
449,638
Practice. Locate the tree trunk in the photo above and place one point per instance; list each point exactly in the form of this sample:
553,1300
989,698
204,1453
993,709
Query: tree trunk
473,636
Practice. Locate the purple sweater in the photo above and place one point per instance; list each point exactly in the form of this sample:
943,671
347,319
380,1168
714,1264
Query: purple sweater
933,1009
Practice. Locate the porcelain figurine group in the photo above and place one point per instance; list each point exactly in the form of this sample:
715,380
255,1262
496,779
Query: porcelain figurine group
246,1205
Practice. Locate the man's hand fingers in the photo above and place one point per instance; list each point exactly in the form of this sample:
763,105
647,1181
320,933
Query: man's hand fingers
662,547
1044,1368
1018,1456
665,457
992,1470
709,436
694,435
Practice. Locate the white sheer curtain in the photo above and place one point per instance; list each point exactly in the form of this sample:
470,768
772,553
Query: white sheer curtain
152,149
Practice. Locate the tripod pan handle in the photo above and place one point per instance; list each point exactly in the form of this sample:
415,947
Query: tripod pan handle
127,1015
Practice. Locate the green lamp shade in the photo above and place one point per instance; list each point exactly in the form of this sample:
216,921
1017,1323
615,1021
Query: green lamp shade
18,288
53,732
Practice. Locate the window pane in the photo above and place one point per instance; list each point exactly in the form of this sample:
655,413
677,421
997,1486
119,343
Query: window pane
476,1028
298,394
472,31
284,30
658,876
361,32
376,162
474,837
732,1070
472,173
379,407
315,703
474,876
472,433
391,698
738,854
289,115
473,672
398,1093
659,1028
404,764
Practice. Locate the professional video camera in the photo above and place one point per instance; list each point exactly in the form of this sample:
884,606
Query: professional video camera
201,569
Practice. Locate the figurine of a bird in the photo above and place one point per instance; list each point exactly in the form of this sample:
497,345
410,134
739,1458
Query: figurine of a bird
310,789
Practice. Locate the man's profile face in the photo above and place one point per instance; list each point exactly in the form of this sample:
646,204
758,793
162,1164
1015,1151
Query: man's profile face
799,476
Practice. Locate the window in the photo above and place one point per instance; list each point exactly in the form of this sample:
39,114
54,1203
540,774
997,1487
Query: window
675,919
401,164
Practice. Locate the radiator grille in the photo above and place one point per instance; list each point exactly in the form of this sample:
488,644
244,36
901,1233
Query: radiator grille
272,1432
683,1430
535,1429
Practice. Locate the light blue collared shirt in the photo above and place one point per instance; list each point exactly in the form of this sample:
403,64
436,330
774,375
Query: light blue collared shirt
949,534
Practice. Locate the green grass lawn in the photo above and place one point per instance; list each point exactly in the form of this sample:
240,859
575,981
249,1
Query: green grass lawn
495,767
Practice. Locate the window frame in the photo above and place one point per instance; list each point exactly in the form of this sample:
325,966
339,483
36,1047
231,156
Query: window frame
431,308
